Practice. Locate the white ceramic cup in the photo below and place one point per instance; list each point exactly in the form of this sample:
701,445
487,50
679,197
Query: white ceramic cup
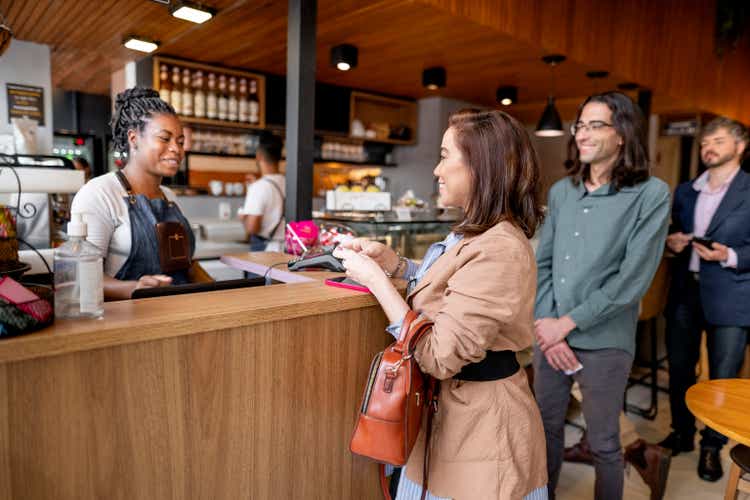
216,187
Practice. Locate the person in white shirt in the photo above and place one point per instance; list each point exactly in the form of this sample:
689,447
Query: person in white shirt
128,211
263,211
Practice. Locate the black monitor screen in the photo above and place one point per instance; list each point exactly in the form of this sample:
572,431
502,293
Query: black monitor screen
143,293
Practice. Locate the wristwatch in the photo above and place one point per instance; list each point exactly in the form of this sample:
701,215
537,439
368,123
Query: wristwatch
401,262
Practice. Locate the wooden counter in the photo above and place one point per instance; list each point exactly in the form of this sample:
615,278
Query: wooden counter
248,393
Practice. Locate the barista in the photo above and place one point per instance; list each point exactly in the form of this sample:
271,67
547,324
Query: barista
135,222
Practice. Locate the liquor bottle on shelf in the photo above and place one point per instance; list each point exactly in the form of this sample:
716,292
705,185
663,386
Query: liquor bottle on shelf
187,93
254,104
212,108
165,86
199,96
232,111
243,104
223,98
175,95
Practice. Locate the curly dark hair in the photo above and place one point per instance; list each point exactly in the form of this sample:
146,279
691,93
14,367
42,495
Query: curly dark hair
133,109
632,163
504,170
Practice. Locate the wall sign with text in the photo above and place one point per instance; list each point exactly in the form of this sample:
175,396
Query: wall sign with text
25,100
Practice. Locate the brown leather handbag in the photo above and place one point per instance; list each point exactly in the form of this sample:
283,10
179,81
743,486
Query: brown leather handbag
395,398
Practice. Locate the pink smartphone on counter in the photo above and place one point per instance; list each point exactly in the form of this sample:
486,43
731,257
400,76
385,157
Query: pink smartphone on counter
344,282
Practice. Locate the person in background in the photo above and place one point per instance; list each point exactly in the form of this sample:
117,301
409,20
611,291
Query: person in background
599,247
263,211
710,287
122,209
81,163
478,288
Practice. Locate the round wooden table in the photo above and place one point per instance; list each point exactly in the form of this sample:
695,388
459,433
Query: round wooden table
724,405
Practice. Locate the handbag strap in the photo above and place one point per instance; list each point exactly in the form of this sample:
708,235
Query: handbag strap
413,328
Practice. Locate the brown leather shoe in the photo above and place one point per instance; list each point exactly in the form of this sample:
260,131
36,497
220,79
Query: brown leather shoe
579,452
652,463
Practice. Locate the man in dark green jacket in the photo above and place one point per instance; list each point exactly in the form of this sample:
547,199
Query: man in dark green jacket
599,248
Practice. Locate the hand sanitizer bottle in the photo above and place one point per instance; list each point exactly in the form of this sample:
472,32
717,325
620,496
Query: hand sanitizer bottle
79,275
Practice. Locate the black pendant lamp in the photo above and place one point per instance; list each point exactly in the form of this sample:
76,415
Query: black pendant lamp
550,124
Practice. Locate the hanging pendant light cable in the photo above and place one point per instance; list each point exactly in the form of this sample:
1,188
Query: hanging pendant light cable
550,124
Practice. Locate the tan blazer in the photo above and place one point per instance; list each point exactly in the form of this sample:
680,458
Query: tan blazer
487,439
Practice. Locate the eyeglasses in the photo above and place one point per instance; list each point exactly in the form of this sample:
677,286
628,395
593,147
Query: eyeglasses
594,125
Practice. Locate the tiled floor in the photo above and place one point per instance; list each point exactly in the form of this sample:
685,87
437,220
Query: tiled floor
577,481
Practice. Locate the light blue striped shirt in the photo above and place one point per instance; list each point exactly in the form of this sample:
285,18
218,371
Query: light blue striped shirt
414,273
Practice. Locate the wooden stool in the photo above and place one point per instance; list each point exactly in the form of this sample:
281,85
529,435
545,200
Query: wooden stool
652,305
740,465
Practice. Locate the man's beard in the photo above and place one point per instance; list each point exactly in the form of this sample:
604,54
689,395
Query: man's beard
718,161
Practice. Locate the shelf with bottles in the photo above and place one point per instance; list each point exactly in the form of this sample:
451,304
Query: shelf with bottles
220,142
317,159
211,95
387,120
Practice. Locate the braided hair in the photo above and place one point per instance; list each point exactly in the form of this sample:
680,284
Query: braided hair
133,108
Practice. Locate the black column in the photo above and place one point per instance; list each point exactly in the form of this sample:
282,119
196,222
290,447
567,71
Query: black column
300,108
644,102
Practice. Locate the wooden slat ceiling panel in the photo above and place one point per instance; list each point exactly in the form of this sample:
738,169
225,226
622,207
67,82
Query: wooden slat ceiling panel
482,43
667,46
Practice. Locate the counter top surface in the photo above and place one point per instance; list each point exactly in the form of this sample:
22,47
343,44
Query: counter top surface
131,321
387,217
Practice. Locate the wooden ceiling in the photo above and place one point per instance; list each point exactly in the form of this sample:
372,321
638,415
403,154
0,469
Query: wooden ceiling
397,39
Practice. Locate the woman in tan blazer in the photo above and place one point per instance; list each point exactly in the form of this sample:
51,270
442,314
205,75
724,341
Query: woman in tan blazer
478,287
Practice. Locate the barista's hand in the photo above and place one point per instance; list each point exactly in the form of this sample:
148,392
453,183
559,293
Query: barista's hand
153,281
362,268
678,241
561,357
380,253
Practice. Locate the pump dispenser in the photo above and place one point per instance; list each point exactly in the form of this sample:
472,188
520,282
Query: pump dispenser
79,274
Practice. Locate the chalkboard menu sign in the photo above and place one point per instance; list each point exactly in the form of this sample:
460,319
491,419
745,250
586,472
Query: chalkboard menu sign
25,100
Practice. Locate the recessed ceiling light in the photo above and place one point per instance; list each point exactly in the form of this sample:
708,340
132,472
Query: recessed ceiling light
434,78
507,95
344,57
192,12
140,44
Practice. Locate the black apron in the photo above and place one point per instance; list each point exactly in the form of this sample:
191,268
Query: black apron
144,214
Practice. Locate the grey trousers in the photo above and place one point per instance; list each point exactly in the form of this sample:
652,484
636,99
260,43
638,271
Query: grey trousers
602,381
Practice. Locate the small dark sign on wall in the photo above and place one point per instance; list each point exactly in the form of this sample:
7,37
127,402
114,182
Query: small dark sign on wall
25,100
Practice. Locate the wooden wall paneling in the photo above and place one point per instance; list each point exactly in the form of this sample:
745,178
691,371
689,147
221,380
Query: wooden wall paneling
666,164
262,412
6,473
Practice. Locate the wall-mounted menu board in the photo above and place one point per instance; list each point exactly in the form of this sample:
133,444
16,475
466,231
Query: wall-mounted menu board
211,95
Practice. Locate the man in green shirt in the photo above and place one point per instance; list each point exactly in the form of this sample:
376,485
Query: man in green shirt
598,250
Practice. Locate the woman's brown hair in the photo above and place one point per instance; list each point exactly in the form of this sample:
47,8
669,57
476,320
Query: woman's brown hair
504,169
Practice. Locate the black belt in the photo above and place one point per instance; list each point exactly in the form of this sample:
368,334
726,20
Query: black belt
695,276
497,365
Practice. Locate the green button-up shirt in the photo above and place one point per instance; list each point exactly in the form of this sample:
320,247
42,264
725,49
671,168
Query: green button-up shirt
597,255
